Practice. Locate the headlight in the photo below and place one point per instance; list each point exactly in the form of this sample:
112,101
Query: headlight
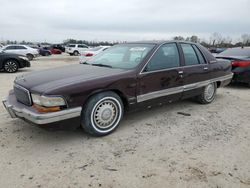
23,57
48,101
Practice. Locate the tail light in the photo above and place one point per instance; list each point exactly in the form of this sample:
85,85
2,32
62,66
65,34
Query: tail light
89,55
240,63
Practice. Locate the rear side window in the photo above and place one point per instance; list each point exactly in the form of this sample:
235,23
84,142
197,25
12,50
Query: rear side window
72,45
82,46
10,48
167,56
199,54
189,55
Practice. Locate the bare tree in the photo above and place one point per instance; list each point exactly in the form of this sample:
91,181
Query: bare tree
245,39
216,39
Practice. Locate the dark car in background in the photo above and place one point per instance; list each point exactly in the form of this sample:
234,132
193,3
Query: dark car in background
217,50
12,62
124,77
59,47
240,59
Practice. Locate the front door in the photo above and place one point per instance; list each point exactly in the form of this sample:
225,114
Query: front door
161,80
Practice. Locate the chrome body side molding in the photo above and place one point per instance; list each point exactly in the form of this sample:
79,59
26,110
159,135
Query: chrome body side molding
174,90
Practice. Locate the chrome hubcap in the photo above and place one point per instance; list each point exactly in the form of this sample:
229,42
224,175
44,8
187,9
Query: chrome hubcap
209,91
10,66
105,114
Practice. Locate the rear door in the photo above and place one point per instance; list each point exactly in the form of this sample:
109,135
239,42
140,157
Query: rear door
21,50
195,70
160,80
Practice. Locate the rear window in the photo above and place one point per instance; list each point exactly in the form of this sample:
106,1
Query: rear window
82,46
236,52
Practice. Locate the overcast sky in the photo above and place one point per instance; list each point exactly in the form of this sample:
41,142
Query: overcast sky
119,20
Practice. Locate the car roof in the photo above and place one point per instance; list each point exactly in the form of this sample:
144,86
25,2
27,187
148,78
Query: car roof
236,52
158,42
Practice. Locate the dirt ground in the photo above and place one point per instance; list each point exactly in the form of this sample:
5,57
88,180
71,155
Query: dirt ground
155,148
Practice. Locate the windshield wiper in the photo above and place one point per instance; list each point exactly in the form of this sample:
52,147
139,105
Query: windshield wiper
102,65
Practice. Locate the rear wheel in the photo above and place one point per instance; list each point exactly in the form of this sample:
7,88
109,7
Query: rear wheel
102,114
30,57
76,53
11,66
208,94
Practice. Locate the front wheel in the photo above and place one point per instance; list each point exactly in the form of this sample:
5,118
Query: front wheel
102,114
208,94
11,66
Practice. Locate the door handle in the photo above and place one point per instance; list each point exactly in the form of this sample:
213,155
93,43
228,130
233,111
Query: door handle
205,68
180,74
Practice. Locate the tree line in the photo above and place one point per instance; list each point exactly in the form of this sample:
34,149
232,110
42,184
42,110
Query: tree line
216,40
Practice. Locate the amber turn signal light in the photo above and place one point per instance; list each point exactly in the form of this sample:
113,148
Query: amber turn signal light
46,109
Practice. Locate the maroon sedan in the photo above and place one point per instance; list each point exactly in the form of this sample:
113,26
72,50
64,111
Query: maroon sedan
124,77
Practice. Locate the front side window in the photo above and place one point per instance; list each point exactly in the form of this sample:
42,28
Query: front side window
124,56
189,55
20,48
167,56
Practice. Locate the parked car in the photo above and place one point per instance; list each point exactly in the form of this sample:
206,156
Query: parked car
217,50
59,47
12,62
124,77
76,49
240,58
24,50
86,55
55,51
42,51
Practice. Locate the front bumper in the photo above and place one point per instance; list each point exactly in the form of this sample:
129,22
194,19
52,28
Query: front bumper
24,63
18,110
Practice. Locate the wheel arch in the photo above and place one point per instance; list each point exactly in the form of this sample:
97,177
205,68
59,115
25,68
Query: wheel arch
116,91
7,59
30,54
218,84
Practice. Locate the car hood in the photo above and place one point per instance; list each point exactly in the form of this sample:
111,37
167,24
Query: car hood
42,81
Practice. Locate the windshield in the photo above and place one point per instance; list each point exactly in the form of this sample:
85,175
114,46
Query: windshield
124,56
236,52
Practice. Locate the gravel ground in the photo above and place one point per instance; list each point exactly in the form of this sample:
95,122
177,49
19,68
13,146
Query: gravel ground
160,147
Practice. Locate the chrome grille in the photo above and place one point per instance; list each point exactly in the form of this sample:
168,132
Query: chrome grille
22,95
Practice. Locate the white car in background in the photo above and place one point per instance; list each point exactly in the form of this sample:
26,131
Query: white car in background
86,55
76,49
24,50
